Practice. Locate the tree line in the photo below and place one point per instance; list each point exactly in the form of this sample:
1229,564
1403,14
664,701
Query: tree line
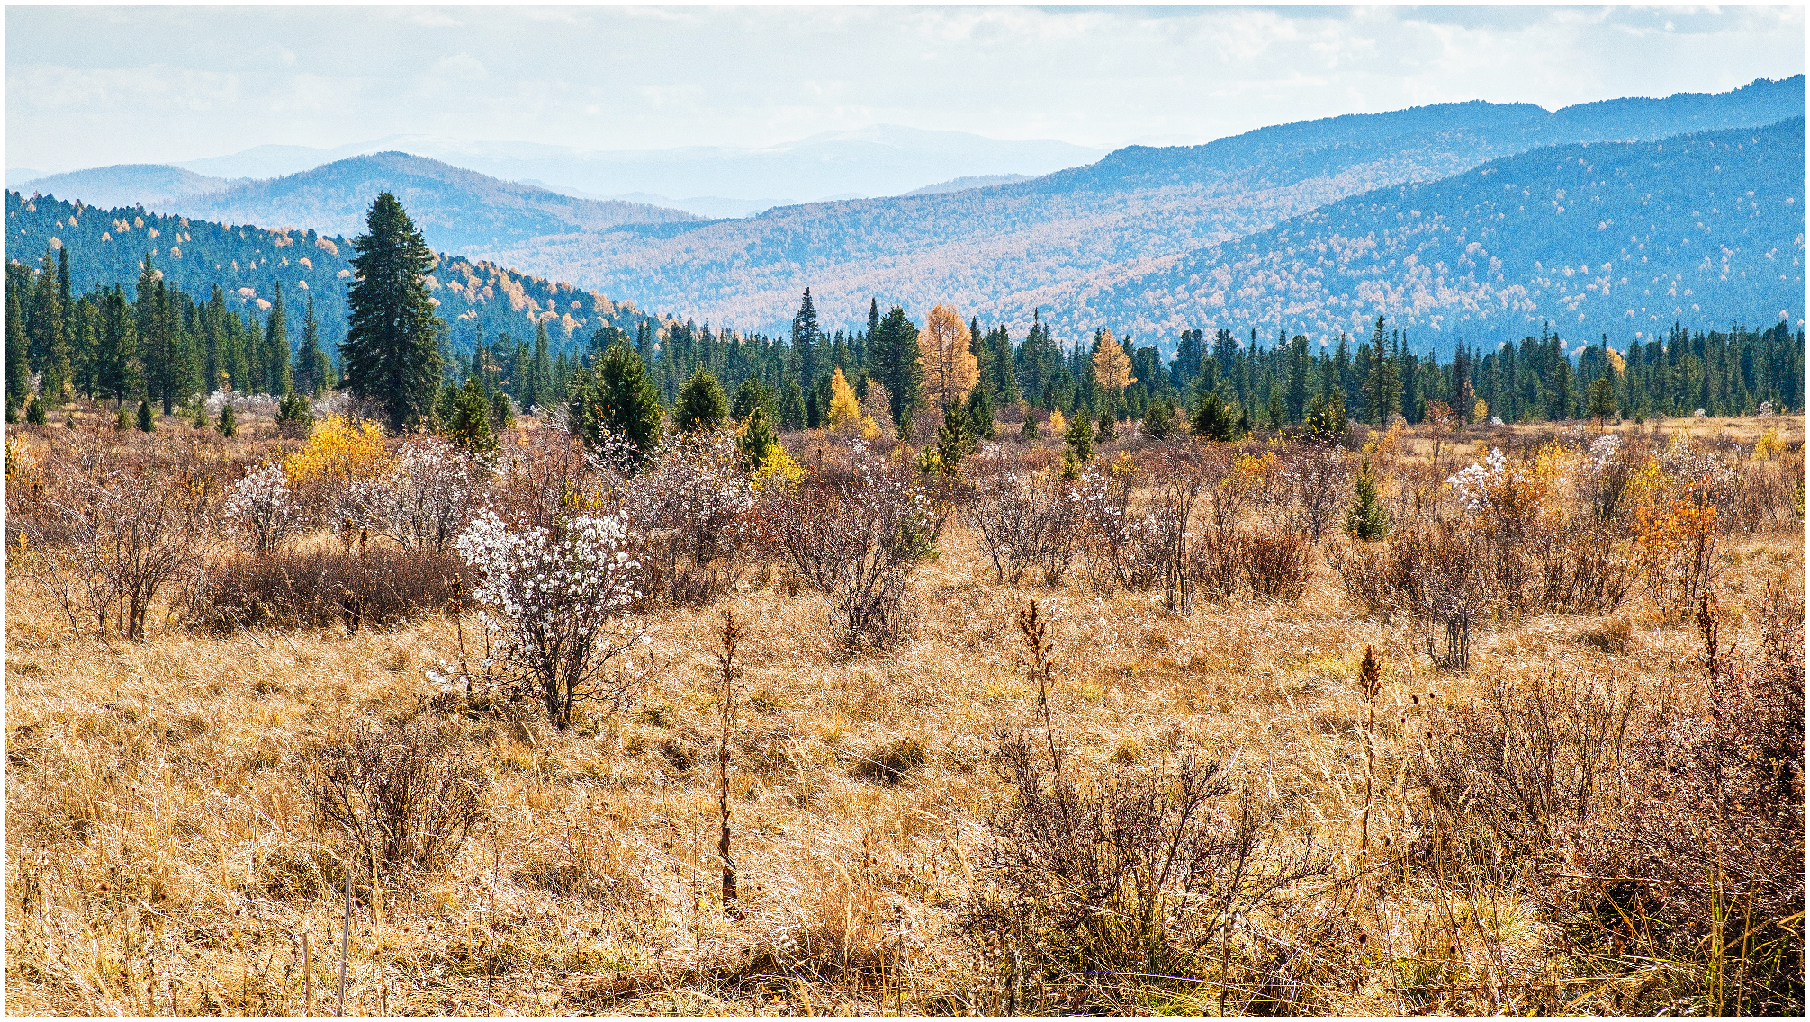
164,346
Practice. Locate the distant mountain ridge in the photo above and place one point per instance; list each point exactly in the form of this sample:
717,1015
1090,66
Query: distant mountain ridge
1617,238
1000,252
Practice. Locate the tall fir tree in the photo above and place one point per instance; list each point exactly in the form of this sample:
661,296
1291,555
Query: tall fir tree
277,379
392,346
311,366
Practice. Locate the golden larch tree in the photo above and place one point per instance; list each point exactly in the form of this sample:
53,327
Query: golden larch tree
845,409
950,369
1112,367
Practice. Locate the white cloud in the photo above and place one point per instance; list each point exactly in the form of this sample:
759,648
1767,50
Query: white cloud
173,83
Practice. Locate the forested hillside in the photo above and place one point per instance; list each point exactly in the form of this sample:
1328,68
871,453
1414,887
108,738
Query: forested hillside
1616,238
249,264
1000,250
152,185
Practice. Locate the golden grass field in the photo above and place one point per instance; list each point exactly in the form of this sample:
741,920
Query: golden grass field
163,857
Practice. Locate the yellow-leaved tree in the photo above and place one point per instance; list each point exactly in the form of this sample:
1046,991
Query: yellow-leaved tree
1112,367
339,452
845,410
1058,424
950,369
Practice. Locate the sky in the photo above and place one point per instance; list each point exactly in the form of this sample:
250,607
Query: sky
92,86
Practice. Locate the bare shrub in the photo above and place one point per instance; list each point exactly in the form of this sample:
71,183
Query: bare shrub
856,534
260,511
1515,770
693,505
424,498
1698,861
374,586
1024,520
121,526
404,792
1274,563
1320,475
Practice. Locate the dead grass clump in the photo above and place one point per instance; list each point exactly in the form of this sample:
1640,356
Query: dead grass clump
1614,636
404,792
890,762
375,586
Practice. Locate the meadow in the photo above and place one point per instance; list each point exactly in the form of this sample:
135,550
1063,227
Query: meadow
872,733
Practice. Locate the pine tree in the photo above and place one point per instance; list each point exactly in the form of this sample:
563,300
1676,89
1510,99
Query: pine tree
295,419
1159,419
616,398
229,422
805,338
18,363
757,438
894,359
702,404
277,379
1080,438
467,422
1367,519
145,425
392,346
1212,420
311,365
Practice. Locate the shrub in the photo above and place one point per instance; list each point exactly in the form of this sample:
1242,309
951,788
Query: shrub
693,503
560,594
1274,562
1023,520
890,762
121,527
260,510
702,404
294,419
404,792
423,497
855,535
1697,864
318,589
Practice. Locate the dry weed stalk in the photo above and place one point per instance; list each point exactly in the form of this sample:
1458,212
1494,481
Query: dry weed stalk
1370,679
729,672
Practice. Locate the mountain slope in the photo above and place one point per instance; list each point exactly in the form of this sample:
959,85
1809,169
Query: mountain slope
457,210
998,251
108,247
1614,238
132,184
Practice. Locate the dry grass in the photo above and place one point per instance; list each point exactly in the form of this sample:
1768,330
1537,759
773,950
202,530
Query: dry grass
163,857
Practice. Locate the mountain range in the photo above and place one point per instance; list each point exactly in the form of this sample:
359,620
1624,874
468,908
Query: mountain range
1157,239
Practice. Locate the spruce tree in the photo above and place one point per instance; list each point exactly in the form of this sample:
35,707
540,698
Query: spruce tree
392,346
467,422
18,363
229,421
616,398
1367,519
805,337
35,414
277,379
311,366
145,425
702,404
895,359
1159,419
1212,420
757,438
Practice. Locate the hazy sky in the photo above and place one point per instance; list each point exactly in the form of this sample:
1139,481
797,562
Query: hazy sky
87,86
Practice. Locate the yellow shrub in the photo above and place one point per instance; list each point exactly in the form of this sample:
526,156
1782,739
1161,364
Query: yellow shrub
777,469
339,451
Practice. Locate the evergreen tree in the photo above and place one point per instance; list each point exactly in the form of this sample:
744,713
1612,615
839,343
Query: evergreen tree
753,394
616,398
1159,419
1212,419
1602,399
294,418
18,364
702,404
895,359
1080,438
1382,387
805,338
277,379
467,422
145,425
757,438
1367,519
792,411
311,365
392,346
34,415
1297,377
229,422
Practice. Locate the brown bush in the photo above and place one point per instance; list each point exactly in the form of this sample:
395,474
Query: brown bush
376,586
403,791
1698,860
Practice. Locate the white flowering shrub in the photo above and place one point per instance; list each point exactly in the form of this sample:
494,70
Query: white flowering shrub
693,503
1025,519
423,500
555,605
260,510
1474,483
